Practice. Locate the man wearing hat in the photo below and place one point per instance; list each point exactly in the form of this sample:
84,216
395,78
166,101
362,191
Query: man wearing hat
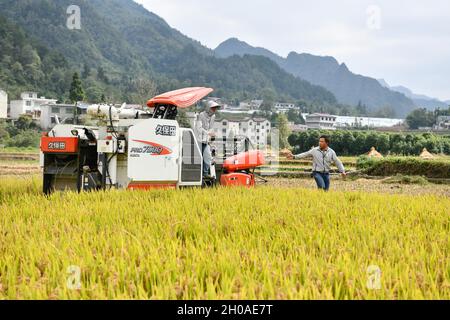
204,131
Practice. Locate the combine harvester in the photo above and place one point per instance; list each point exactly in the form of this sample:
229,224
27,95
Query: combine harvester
132,149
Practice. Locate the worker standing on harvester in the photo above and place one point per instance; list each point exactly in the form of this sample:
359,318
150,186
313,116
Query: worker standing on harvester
323,156
204,130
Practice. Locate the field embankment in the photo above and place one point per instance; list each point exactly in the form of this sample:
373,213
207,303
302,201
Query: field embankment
391,166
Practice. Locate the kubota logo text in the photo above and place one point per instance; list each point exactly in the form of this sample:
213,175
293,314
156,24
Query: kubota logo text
150,148
170,131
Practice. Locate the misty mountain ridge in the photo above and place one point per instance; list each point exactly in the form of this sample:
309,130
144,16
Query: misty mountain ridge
349,88
420,100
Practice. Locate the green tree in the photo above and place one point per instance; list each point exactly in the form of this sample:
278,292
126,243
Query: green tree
268,96
383,143
101,75
361,109
86,71
384,112
25,123
76,90
295,116
284,131
348,141
359,142
25,139
143,90
420,118
4,134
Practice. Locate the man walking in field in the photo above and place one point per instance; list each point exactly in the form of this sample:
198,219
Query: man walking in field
323,156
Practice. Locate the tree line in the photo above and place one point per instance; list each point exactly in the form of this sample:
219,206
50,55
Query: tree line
354,143
23,134
425,118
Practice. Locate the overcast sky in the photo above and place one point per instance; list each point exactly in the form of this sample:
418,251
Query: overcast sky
405,42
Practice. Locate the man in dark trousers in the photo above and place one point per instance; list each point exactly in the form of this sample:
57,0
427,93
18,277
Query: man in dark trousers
323,156
204,129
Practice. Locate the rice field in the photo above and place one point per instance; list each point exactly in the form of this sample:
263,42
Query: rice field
263,243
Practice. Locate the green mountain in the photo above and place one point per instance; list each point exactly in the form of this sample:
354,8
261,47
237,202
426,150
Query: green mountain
26,65
234,46
348,88
120,41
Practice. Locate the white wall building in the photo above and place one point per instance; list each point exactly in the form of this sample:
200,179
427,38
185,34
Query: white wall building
257,130
443,123
253,104
238,110
284,107
49,112
29,104
3,104
321,121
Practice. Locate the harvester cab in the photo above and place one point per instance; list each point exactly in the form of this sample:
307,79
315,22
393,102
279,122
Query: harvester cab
135,149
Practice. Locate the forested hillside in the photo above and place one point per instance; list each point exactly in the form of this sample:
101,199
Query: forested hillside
26,64
121,46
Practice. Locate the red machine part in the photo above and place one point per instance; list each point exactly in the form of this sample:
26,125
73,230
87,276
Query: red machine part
59,144
244,161
237,179
182,98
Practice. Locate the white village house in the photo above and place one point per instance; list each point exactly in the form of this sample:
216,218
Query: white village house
443,123
282,107
49,112
321,121
256,129
29,104
252,105
3,104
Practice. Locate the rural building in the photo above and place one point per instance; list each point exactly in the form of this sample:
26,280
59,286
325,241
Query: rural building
443,123
29,104
321,121
3,104
282,107
257,129
49,112
252,105
237,110
297,127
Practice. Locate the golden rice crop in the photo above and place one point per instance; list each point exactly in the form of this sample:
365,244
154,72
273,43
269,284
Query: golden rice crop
263,243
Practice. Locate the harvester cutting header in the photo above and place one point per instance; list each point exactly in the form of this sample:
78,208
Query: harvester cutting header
131,149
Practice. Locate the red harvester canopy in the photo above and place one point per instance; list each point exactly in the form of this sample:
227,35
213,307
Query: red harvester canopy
182,98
